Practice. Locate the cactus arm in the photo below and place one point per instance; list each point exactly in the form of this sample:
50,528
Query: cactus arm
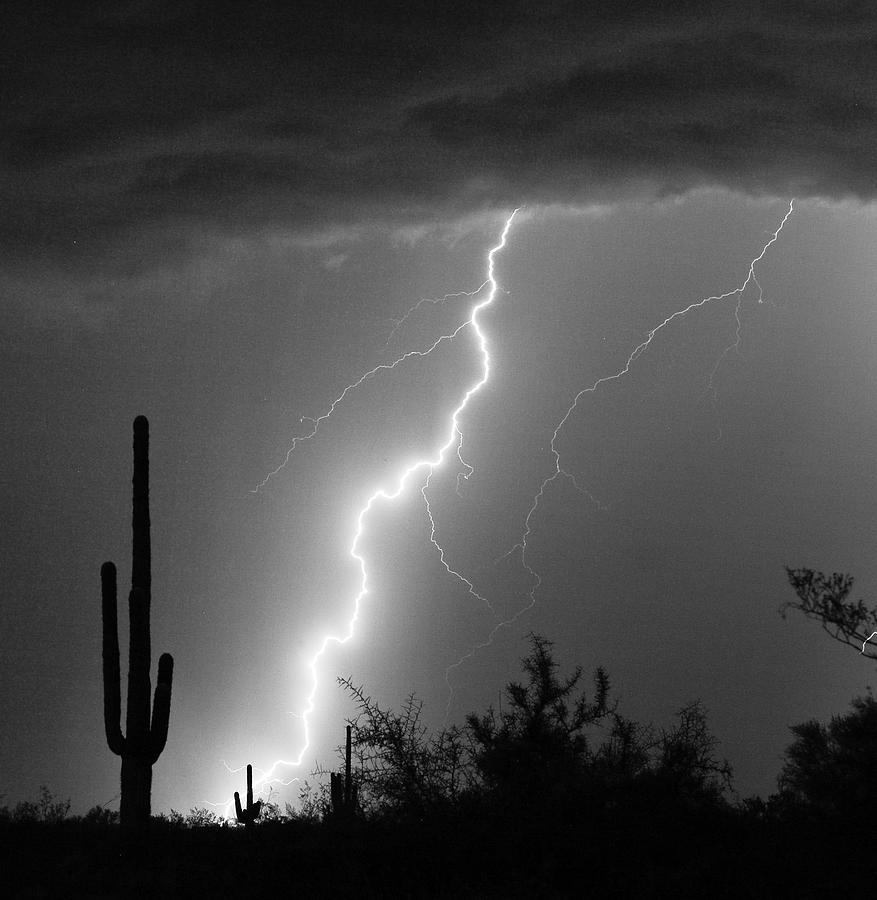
239,813
112,685
161,706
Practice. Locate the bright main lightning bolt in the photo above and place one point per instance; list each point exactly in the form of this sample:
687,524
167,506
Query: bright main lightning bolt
454,440
560,472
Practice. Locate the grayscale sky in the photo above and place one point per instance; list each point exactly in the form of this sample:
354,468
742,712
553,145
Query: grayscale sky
213,213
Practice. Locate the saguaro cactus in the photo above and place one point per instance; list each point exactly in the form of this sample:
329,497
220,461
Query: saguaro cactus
143,742
249,815
343,789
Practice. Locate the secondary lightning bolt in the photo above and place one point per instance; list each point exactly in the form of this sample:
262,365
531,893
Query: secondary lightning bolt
454,440
560,473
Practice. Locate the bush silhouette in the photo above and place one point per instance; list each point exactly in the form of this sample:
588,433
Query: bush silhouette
537,749
553,752
831,770
400,768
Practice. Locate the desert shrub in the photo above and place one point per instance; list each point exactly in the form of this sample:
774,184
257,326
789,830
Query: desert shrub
538,749
831,770
46,809
101,817
400,767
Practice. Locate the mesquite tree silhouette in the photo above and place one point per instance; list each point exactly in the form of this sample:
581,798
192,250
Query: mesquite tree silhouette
538,749
825,598
143,742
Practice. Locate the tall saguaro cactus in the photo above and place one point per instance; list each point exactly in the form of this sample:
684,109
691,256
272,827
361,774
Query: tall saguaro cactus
249,815
144,741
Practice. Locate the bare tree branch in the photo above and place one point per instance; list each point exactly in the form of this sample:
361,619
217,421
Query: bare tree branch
824,598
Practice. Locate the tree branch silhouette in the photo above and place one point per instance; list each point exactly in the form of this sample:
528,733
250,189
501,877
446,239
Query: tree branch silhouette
825,599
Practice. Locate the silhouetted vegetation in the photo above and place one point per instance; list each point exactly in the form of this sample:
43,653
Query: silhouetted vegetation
551,750
830,771
143,742
402,769
557,794
344,790
46,810
537,752
250,814
825,598
554,794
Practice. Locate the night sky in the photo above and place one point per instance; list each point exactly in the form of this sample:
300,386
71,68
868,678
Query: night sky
213,214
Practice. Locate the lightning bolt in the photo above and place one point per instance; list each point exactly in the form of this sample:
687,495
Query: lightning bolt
428,465
521,547
868,639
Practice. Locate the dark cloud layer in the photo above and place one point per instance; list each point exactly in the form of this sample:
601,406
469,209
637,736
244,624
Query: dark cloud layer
133,117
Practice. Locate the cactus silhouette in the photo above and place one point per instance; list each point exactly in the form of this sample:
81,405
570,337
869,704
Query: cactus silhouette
249,815
343,789
143,742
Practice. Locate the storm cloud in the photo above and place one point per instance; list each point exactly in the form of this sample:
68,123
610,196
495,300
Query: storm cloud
130,119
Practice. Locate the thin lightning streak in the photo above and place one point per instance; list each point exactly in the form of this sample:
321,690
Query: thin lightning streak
454,439
536,579
560,473
398,323
735,346
263,780
640,348
382,367
441,552
366,376
468,469
868,639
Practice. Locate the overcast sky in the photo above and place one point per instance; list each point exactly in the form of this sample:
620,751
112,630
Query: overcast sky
213,213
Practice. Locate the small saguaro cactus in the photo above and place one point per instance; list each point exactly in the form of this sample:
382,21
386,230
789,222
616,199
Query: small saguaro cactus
343,788
249,815
143,742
